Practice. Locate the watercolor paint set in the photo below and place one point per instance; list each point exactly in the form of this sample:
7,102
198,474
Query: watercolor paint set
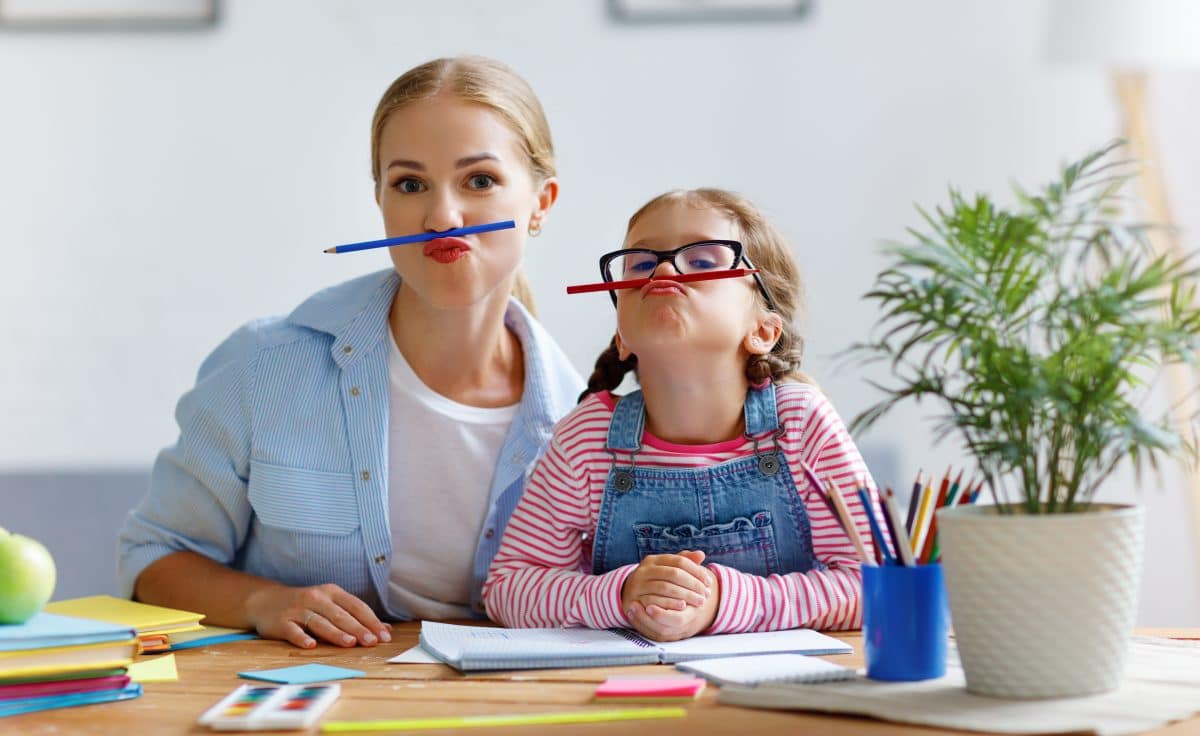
270,707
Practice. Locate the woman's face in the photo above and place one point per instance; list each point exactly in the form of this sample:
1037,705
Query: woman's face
445,163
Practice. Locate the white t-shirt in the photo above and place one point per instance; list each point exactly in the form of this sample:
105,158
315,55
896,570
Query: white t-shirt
442,455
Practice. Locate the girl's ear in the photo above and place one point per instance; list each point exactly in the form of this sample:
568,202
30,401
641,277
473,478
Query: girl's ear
764,334
623,351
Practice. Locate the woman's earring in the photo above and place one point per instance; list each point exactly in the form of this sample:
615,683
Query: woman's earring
535,228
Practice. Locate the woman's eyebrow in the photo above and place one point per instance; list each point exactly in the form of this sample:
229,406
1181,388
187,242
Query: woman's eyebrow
406,164
472,160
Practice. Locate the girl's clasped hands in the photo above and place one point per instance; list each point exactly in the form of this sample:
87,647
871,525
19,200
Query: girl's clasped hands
671,597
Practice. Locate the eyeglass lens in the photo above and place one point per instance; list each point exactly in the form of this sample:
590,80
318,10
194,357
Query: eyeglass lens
692,259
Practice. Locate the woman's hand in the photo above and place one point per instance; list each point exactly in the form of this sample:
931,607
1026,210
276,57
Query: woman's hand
670,582
324,611
660,624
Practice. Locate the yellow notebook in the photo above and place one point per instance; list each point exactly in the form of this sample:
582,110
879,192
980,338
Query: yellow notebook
147,619
56,660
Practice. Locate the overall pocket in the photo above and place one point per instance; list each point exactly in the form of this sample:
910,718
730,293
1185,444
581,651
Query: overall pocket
746,543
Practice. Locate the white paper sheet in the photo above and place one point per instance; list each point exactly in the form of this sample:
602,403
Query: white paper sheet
416,655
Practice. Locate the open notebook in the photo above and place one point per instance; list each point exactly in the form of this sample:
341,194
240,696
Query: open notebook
762,668
485,648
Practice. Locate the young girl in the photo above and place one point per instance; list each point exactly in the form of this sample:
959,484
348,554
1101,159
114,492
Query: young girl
357,460
685,508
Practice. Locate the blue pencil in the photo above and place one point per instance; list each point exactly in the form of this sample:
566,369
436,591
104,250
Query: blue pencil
880,540
422,237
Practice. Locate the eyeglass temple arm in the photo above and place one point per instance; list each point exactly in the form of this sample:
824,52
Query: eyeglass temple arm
638,283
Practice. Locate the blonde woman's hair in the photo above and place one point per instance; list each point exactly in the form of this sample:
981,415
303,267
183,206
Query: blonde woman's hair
767,249
482,81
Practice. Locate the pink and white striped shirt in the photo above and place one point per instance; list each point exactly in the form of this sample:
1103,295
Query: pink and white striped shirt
541,575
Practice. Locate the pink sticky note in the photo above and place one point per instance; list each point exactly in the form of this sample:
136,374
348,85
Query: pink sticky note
645,688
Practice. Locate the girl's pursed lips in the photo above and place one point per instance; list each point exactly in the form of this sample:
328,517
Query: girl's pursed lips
661,287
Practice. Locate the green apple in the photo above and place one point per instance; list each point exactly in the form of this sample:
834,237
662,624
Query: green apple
27,577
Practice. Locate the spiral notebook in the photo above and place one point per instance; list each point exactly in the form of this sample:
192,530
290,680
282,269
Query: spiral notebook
470,648
763,668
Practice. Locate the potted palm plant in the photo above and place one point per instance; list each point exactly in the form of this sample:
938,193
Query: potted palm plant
1037,331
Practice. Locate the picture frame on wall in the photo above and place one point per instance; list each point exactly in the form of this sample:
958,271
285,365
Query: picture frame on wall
102,15
708,11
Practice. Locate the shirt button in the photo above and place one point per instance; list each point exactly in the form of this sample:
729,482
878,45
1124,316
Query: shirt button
381,559
490,533
366,475
347,349
354,391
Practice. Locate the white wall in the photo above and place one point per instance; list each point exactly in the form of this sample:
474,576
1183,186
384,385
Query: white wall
156,190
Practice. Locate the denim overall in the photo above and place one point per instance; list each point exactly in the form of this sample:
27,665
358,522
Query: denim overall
744,513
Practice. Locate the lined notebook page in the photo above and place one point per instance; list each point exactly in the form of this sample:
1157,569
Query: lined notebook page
478,647
802,641
761,668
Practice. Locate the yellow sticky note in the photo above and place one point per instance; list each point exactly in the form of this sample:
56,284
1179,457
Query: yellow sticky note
159,669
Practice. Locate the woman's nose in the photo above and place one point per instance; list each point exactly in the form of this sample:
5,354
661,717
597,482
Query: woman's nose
444,213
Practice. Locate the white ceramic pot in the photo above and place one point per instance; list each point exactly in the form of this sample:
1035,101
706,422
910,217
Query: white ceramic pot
1042,606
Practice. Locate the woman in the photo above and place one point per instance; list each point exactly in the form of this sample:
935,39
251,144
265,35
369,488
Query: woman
358,460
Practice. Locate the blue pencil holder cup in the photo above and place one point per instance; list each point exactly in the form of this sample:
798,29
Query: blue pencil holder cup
905,621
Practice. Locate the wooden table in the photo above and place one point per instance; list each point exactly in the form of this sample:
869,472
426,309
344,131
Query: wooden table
424,690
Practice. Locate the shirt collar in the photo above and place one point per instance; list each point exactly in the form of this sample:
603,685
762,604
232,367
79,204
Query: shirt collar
354,313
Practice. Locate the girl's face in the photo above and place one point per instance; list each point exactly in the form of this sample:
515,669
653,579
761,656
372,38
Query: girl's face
445,163
699,317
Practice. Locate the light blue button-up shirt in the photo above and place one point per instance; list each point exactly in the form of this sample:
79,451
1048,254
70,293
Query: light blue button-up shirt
281,466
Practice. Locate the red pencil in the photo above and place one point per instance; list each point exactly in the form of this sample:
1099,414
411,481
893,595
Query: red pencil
975,493
638,283
927,548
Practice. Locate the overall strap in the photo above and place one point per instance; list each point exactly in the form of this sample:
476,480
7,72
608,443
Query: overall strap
761,413
762,416
628,423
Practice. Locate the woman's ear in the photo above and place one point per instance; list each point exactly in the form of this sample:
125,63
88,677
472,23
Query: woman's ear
764,333
547,195
623,351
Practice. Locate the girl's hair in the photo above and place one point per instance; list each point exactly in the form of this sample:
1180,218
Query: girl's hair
485,82
766,248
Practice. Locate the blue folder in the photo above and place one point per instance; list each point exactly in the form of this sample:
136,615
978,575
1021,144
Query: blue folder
46,630
49,702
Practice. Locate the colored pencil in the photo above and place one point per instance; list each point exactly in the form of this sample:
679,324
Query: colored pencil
903,545
502,719
931,536
422,237
954,487
919,524
975,493
936,551
638,283
882,551
887,523
913,501
848,521
822,492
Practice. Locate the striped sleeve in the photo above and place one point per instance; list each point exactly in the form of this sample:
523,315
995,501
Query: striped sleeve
828,598
537,578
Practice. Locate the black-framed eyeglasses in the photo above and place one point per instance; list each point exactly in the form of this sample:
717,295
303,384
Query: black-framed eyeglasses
705,255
